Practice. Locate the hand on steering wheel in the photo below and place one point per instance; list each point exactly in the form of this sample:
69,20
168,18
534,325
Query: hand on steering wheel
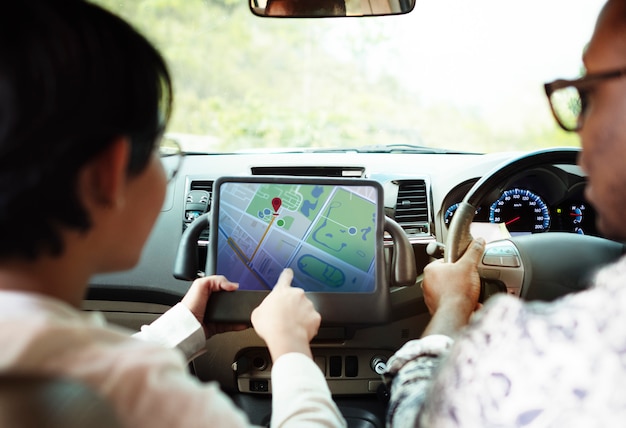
456,284
541,266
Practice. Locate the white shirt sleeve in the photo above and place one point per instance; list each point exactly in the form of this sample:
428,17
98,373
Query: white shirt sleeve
300,395
149,385
176,328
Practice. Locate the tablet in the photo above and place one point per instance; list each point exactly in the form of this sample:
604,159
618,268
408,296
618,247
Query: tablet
329,231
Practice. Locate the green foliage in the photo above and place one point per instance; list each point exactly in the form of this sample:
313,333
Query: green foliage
258,82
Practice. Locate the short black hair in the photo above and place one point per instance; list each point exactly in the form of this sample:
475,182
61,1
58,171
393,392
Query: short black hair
73,78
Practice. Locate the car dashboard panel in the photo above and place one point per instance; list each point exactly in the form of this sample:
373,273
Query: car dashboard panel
418,192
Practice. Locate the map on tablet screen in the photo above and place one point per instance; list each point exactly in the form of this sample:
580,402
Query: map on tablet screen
327,233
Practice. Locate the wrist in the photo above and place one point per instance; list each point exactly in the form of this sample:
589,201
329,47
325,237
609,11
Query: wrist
279,349
281,344
450,316
460,305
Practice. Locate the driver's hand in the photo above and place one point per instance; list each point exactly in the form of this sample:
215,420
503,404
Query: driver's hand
286,319
455,286
197,297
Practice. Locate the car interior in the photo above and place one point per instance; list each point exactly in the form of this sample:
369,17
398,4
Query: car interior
357,147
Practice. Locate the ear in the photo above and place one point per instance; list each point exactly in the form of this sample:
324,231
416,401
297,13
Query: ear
103,180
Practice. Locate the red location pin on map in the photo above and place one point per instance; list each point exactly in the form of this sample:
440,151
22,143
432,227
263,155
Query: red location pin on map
276,203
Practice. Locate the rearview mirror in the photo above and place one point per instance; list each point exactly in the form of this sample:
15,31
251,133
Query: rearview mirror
329,8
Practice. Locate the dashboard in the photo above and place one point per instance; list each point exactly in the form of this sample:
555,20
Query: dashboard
419,193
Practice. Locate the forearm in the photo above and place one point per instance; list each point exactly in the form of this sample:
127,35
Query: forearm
300,395
452,290
282,344
448,319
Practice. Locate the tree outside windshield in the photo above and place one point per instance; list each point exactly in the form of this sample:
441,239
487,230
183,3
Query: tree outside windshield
450,74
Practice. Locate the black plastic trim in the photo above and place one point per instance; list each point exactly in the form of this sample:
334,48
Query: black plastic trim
117,293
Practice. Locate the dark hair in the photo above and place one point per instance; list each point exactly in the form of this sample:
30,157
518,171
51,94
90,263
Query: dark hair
73,77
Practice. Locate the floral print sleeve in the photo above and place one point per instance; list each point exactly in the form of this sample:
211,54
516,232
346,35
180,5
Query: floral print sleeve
559,364
409,373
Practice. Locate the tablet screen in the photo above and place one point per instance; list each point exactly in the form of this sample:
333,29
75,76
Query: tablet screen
327,230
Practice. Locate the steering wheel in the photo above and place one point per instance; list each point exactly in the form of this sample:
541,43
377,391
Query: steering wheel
541,266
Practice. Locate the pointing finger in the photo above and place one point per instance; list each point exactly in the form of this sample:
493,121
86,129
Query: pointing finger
285,278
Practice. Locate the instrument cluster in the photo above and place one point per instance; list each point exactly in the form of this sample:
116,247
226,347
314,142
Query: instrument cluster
546,199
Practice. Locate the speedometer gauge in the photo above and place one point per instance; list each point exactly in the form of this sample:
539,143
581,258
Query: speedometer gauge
447,217
521,210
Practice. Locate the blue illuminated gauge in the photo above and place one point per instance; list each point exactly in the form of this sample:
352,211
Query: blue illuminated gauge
521,211
447,216
576,213
573,219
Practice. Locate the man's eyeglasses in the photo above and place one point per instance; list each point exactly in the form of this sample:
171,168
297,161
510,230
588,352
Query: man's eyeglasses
568,98
171,157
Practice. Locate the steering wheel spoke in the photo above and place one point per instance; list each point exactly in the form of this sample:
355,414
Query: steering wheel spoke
502,263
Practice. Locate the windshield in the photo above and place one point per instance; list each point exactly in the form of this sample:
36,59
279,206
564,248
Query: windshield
454,75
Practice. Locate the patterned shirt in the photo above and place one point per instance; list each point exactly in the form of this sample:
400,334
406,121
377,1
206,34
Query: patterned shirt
533,364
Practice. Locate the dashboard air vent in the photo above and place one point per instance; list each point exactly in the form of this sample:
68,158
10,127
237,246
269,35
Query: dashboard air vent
411,211
202,185
197,202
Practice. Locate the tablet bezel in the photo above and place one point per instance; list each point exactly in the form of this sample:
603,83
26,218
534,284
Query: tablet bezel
336,308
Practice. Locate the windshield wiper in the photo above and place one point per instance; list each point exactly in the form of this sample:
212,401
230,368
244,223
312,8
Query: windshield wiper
392,148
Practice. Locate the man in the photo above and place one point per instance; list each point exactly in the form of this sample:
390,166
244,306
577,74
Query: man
305,8
560,364
84,101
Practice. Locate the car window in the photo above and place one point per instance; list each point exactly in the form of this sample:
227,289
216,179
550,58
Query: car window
450,75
